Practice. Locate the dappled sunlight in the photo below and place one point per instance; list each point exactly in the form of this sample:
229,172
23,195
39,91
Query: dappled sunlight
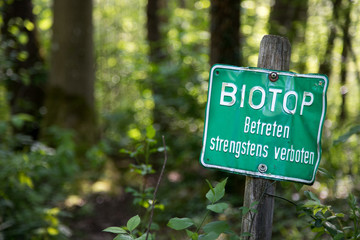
150,97
175,176
101,186
343,187
74,200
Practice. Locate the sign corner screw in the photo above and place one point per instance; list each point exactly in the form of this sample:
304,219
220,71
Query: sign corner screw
273,76
262,168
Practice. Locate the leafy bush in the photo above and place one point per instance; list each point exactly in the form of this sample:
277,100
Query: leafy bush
209,231
327,222
324,221
32,182
212,230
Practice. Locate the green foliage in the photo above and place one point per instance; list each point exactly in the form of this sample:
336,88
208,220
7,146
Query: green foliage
213,229
142,195
343,138
217,207
327,222
324,221
217,193
18,120
252,208
128,232
180,223
31,183
209,231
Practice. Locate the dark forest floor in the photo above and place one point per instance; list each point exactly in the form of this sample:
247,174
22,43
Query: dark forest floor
99,212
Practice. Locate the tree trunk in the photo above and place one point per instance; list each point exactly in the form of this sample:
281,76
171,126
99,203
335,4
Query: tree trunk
70,99
154,33
325,66
157,56
344,60
225,32
274,54
288,18
24,72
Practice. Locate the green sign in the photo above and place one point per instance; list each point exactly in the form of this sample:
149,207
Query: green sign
264,123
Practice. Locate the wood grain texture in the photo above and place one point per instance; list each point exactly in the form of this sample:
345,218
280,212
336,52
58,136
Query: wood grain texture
274,54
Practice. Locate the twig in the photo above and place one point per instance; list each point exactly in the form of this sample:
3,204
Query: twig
289,201
156,188
282,198
202,222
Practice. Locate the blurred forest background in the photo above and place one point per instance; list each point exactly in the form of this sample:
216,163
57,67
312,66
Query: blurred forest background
87,89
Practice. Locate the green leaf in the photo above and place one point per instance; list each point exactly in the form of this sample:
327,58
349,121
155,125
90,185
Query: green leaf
244,210
331,228
254,210
218,207
318,229
339,236
311,204
132,190
209,236
352,200
143,237
180,223
234,237
19,119
298,186
254,203
217,227
210,186
123,237
217,193
142,169
154,226
125,151
343,138
318,223
133,223
192,235
318,210
245,234
150,132
311,196
330,218
325,173
340,215
116,230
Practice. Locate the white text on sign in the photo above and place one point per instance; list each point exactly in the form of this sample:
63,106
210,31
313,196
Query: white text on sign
229,91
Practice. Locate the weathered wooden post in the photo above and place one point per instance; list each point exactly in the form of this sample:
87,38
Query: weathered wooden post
274,54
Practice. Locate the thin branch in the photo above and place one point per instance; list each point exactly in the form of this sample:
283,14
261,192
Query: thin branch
354,57
282,198
156,188
289,201
202,222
